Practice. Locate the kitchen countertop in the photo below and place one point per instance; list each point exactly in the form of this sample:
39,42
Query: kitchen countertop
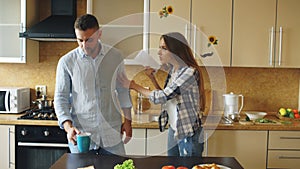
72,161
294,125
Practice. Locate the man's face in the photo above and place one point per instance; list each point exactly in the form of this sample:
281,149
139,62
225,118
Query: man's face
88,40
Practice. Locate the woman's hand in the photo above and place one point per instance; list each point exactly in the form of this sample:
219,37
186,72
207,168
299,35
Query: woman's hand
149,71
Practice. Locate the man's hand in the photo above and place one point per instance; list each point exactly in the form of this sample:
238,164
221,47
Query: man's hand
127,130
71,132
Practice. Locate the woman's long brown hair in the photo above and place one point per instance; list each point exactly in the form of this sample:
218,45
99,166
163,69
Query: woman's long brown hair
179,47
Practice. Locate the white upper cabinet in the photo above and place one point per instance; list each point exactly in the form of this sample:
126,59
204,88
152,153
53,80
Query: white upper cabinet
253,21
265,33
121,23
12,48
197,20
212,18
15,17
287,34
177,21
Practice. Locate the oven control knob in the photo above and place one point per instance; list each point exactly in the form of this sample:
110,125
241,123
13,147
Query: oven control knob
24,132
46,133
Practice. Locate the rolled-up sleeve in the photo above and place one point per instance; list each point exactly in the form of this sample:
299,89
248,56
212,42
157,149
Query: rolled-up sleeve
62,93
124,96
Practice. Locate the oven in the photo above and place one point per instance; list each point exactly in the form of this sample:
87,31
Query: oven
38,147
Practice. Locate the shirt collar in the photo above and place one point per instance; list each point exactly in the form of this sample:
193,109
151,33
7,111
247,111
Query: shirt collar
102,52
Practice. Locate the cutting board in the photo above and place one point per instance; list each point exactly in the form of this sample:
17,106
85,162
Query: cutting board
244,122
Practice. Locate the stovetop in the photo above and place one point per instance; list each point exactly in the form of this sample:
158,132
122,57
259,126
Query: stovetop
39,114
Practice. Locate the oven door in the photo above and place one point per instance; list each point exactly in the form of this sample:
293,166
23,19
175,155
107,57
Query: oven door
39,155
38,147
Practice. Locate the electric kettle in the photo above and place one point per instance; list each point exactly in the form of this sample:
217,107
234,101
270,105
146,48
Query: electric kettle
231,105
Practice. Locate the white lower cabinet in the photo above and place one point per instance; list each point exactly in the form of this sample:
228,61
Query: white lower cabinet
7,147
147,142
248,147
157,142
284,149
137,144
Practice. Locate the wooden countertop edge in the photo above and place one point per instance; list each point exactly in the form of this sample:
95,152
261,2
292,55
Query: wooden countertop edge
12,119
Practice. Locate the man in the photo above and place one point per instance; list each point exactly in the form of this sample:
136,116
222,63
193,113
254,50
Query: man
86,91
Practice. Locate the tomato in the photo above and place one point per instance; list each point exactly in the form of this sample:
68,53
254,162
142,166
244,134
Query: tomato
181,167
295,111
297,116
168,167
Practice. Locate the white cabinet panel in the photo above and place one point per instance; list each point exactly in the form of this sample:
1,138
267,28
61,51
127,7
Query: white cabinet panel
12,48
7,147
216,23
137,145
248,147
157,142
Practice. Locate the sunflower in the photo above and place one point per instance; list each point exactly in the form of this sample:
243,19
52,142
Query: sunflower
170,10
212,40
166,11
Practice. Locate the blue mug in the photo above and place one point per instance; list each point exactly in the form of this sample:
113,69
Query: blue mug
83,142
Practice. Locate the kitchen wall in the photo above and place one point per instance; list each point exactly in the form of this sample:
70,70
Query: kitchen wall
264,89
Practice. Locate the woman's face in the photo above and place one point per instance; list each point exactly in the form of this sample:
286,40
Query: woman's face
88,40
164,54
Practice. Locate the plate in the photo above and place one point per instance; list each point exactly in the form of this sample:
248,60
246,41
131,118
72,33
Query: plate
221,166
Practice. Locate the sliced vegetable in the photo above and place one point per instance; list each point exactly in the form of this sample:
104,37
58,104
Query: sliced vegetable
291,115
264,121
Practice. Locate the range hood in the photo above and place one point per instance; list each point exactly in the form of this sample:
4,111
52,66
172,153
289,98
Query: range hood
59,26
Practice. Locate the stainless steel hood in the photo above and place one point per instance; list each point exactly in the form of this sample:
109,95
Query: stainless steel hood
57,27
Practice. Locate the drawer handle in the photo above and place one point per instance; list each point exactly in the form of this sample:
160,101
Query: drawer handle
284,157
289,137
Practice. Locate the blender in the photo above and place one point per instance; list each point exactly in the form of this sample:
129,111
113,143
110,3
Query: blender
231,106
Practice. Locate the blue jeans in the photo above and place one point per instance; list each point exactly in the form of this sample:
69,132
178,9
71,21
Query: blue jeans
189,146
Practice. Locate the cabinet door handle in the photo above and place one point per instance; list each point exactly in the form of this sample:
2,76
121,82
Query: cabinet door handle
195,40
271,45
287,157
9,153
186,31
280,46
289,137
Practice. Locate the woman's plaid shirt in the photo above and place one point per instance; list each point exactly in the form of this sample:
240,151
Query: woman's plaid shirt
185,89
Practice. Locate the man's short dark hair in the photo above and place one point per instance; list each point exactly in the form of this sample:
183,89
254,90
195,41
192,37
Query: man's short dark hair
85,22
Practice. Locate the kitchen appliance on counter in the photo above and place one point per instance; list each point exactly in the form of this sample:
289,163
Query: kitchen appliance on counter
231,106
14,99
39,146
39,114
42,109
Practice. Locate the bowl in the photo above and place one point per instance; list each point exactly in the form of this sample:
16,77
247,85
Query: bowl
256,115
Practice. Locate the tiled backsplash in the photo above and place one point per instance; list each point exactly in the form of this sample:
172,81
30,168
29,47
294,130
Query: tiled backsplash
264,89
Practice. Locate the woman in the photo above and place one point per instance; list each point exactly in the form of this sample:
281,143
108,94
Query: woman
182,97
